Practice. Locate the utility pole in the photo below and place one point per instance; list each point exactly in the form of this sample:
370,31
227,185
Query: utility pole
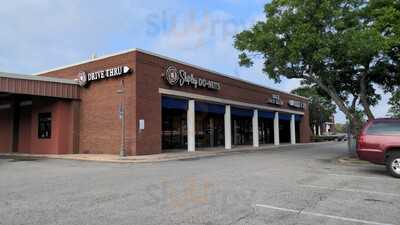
121,92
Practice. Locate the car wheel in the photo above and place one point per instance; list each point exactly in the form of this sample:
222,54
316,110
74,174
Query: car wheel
393,164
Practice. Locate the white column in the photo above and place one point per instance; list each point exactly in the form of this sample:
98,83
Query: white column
293,129
255,129
228,131
276,129
319,130
191,135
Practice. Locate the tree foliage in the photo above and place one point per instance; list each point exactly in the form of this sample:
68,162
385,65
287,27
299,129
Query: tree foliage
347,48
341,128
394,103
321,107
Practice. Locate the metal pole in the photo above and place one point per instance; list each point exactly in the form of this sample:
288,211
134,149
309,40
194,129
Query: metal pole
121,91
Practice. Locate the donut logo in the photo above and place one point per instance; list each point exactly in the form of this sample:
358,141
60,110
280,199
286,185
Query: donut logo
172,75
82,79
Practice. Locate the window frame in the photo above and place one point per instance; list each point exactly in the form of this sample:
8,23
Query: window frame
45,125
382,132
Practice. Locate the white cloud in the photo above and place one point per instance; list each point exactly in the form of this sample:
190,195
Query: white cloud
42,34
38,35
207,41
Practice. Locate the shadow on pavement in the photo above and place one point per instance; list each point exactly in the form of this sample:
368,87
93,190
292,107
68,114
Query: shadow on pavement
19,159
376,171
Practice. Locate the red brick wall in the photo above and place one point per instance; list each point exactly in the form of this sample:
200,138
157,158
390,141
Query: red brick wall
25,129
61,130
231,89
149,80
99,123
43,146
148,105
63,126
5,130
28,141
305,129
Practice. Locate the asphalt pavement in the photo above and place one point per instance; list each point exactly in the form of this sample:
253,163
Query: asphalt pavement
288,185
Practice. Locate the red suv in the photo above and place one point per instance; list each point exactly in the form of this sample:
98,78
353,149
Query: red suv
379,143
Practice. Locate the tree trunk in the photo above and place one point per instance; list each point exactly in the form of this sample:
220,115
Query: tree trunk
350,114
363,97
349,134
352,128
350,137
354,123
339,102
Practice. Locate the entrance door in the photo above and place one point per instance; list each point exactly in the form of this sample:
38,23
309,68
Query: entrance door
209,130
284,131
174,123
266,131
242,126
242,131
209,125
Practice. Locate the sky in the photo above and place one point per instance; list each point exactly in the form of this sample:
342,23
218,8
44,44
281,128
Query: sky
37,35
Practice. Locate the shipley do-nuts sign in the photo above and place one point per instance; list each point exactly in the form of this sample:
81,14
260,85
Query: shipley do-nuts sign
85,78
181,78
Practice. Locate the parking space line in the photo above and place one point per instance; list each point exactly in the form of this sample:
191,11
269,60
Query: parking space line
351,190
358,176
321,215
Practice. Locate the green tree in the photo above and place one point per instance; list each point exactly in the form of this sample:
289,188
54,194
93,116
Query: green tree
372,49
394,103
341,128
320,106
347,48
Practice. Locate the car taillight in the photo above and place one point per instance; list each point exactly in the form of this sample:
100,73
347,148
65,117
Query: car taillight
361,140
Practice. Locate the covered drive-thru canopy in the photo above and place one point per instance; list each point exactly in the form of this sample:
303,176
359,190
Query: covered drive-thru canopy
38,114
38,86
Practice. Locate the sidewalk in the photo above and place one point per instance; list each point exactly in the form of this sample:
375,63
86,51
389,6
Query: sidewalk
169,156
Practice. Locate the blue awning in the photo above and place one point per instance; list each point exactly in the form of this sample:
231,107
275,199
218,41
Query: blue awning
298,117
174,103
266,114
209,108
241,112
284,116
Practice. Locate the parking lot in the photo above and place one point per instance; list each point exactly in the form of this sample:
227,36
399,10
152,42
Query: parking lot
289,185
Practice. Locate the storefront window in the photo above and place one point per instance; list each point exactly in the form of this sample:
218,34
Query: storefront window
284,131
266,127
209,125
298,121
242,126
266,131
44,129
209,130
174,129
174,123
284,127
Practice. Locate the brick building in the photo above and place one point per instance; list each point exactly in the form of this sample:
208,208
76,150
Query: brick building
166,105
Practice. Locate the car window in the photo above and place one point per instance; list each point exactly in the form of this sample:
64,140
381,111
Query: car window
384,128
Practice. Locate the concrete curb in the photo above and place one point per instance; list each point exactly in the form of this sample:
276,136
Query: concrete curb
155,158
347,160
